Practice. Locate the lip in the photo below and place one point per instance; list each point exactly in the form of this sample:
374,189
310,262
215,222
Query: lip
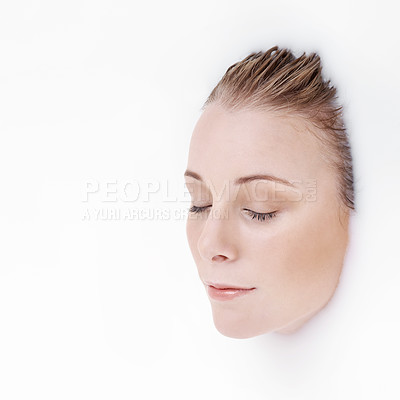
225,292
227,286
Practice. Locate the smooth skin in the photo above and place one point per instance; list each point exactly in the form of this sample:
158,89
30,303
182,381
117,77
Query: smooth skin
294,259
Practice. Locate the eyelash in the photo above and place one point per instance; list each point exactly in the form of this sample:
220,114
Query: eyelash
260,216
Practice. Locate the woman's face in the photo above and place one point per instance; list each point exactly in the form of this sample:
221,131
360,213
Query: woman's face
290,257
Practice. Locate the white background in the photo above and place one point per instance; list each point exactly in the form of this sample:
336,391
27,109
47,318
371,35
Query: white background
109,91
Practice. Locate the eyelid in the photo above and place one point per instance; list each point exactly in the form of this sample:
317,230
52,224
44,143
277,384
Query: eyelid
253,214
198,209
261,216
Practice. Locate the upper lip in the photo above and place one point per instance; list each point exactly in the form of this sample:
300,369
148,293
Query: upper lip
226,286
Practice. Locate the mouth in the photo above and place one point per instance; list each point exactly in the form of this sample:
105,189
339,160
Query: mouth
226,292
223,286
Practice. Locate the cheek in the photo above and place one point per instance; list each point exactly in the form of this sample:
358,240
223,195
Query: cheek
193,231
299,261
270,252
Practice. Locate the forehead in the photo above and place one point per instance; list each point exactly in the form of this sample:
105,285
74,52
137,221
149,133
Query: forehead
226,144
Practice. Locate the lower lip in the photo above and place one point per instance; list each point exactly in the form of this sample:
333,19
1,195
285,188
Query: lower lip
226,294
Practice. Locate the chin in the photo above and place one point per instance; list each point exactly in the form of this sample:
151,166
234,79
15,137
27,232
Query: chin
236,332
236,325
238,328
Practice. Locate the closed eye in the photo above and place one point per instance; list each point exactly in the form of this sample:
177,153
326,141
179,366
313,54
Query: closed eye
261,216
195,209
253,214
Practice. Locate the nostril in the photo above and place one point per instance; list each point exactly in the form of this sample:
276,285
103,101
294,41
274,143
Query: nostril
219,258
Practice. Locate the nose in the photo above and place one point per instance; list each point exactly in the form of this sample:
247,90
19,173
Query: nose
217,241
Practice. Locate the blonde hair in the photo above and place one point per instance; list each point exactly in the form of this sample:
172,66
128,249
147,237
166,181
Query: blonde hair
278,81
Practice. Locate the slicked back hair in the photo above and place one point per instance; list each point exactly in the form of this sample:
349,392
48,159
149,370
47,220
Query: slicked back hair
277,81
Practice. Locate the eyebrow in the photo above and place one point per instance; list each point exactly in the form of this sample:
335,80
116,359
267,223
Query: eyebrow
245,179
